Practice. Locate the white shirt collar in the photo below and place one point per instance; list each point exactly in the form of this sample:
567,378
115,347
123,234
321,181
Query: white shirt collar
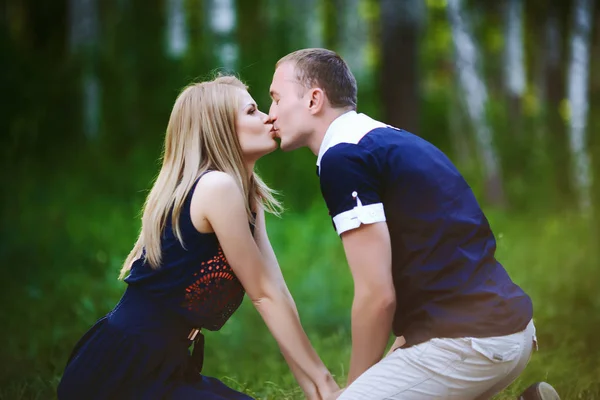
335,127
349,127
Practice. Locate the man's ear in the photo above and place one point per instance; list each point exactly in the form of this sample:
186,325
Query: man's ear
317,100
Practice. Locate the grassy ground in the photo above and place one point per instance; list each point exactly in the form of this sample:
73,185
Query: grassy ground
59,269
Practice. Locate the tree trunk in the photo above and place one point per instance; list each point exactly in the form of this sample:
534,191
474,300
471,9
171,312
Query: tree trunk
83,41
476,98
595,127
177,34
222,22
257,61
458,131
354,38
305,23
555,31
577,94
514,66
401,21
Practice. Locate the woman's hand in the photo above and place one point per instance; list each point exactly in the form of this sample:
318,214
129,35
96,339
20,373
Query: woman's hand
311,393
313,396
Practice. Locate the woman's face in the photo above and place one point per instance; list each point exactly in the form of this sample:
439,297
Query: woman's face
255,133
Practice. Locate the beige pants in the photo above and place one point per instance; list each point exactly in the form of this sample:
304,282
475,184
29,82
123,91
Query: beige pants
464,368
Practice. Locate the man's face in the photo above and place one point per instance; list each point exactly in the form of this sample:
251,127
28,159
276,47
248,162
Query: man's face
289,110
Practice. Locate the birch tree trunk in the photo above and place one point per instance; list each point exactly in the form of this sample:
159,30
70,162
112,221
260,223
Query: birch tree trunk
577,94
83,44
354,38
514,66
476,98
222,22
177,34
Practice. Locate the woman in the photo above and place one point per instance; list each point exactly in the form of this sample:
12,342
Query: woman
203,244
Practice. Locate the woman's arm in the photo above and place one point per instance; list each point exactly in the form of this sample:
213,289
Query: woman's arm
264,245
222,204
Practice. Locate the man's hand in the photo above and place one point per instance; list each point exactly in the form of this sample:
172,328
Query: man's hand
399,342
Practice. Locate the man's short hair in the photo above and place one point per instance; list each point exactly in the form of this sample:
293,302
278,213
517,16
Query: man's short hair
327,70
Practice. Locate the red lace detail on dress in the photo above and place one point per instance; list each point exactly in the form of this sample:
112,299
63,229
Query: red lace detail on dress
215,293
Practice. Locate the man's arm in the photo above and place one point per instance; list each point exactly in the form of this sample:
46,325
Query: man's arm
369,255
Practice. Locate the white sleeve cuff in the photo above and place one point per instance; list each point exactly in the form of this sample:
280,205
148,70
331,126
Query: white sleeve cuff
352,219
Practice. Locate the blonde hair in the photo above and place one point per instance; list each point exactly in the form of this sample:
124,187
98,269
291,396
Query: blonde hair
201,135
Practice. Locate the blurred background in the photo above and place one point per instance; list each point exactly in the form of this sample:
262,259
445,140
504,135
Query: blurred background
509,89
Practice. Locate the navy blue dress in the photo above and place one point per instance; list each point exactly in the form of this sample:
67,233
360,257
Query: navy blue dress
141,349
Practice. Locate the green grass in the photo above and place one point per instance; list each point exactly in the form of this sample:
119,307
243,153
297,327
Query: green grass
62,248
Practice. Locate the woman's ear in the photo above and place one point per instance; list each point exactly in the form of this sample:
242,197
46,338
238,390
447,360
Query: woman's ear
317,100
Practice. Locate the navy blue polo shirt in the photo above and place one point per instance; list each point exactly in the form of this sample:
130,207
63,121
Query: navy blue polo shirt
448,282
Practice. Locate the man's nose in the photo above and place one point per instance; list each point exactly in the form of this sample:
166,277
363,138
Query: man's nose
272,115
270,118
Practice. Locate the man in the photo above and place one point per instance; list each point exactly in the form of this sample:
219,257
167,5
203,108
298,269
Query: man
419,248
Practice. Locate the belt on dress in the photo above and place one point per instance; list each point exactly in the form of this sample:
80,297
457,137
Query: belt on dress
198,352
193,333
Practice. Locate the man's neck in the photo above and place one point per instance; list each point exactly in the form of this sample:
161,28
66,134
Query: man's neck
321,129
